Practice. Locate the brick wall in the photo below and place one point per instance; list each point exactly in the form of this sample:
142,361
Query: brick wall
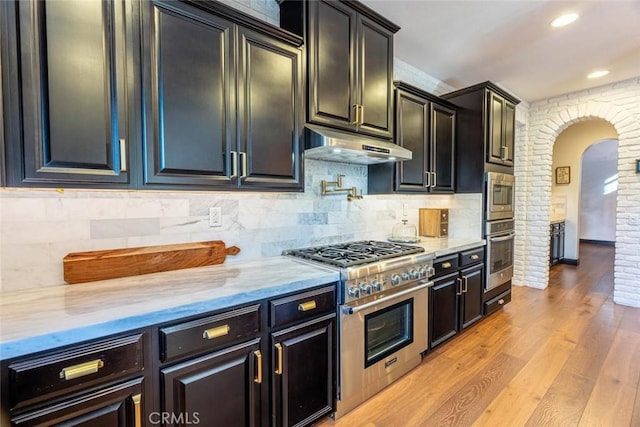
619,104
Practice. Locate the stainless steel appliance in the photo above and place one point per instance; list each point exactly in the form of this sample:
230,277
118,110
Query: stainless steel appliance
338,146
383,301
500,196
500,237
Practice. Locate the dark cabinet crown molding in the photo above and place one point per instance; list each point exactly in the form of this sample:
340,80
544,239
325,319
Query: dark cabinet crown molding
485,85
360,8
400,85
247,21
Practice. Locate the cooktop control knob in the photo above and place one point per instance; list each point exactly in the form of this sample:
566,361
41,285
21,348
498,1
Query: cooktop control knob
413,273
395,279
405,276
354,292
365,289
423,272
376,286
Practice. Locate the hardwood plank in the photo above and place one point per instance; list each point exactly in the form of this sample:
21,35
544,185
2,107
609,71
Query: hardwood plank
474,396
564,402
614,394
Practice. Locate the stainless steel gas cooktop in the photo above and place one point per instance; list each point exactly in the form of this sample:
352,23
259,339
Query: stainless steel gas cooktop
355,253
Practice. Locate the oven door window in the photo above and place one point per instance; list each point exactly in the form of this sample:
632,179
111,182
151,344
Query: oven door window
502,195
500,254
387,331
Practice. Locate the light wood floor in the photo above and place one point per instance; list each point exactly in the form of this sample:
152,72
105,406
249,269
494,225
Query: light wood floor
564,356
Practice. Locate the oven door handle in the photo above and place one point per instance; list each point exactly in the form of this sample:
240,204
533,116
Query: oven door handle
354,310
502,239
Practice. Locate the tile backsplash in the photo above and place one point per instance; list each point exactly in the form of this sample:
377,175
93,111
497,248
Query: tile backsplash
38,227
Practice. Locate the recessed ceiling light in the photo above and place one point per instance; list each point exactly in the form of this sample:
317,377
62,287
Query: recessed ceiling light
563,20
597,74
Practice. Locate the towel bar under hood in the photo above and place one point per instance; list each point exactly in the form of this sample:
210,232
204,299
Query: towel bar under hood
338,146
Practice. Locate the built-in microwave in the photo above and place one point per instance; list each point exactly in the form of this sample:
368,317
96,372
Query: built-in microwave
500,196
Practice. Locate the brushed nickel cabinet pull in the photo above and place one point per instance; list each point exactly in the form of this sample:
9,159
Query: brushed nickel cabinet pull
217,332
306,306
258,355
137,398
80,370
466,284
428,176
459,292
123,155
279,357
243,156
234,164
356,115
435,179
361,114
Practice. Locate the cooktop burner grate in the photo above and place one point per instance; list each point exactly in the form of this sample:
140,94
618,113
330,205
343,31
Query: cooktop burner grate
355,253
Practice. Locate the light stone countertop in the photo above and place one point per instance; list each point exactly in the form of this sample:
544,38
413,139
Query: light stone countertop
41,319
442,246
44,318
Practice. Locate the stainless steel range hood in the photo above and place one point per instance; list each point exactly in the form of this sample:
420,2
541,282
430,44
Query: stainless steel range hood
338,146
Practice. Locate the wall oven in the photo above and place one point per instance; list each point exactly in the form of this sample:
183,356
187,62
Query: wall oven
500,237
500,196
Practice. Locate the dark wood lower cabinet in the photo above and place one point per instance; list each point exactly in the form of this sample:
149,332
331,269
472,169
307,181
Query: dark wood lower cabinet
218,389
556,249
120,405
455,299
303,381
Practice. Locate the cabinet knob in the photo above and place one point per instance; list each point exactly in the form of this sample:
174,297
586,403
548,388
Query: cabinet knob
475,256
501,301
446,265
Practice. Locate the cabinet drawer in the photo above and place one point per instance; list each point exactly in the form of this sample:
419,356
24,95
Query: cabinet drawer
497,302
38,379
302,307
209,333
472,256
446,264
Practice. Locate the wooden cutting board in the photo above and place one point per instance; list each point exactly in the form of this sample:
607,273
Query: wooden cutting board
80,267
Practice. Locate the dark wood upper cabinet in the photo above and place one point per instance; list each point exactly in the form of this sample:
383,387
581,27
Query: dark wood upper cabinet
224,102
425,125
485,134
69,90
349,66
270,112
189,82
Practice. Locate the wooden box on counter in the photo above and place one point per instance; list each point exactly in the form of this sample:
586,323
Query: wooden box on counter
433,222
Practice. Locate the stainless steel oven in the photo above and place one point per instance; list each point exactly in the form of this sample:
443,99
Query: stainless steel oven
500,237
380,340
382,303
500,196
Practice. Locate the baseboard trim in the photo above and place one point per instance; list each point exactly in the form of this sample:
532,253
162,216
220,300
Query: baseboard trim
598,242
569,261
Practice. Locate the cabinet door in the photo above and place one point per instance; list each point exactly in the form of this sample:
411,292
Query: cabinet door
495,129
375,75
561,234
120,405
270,107
303,379
190,104
442,145
472,289
71,127
218,389
332,64
411,133
443,309
509,120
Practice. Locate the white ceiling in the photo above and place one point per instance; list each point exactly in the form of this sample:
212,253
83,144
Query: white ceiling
511,42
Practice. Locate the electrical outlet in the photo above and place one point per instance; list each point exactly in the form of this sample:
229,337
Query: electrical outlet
215,216
633,219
